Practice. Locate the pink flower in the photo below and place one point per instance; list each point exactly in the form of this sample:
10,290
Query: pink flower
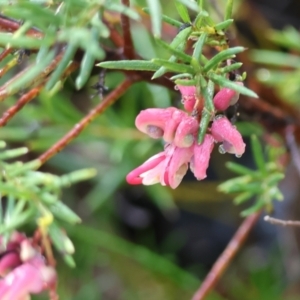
167,167
189,97
172,124
23,270
200,159
223,131
180,131
226,97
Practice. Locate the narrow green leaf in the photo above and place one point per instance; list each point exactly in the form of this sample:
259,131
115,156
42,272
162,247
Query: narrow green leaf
179,54
199,46
258,154
18,221
183,12
185,82
139,65
243,197
253,209
224,25
221,56
223,82
181,76
87,63
23,41
65,61
181,38
167,19
13,153
190,4
239,169
274,58
122,9
205,119
155,15
274,178
32,73
228,9
61,242
64,213
172,66
178,43
231,68
207,90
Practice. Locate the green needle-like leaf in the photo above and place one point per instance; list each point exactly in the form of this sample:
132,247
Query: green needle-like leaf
183,12
190,4
228,10
139,65
172,66
224,25
199,46
223,82
65,61
167,19
179,54
239,169
258,154
156,16
222,56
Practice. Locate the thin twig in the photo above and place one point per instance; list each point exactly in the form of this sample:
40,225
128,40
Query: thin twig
79,127
226,257
128,47
5,52
19,105
10,25
276,221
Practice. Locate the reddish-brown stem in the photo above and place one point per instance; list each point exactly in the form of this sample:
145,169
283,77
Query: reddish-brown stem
226,257
5,52
79,127
128,47
9,25
18,106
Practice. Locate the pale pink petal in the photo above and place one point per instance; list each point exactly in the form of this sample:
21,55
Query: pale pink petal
200,159
189,98
172,124
152,121
178,166
223,131
19,282
134,176
185,132
9,261
226,97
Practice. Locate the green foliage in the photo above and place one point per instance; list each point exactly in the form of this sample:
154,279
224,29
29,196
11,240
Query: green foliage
34,195
283,67
261,184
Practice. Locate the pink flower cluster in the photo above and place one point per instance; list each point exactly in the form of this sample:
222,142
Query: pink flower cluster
23,269
179,130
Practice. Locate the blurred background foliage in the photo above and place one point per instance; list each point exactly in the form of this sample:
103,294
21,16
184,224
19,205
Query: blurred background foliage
150,242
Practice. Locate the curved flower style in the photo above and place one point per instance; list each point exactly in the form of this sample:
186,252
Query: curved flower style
24,270
223,131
